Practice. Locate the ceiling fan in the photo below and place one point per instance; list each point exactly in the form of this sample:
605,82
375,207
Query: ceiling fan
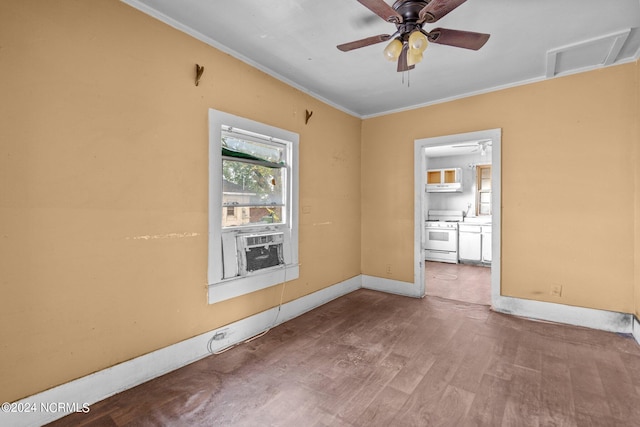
480,146
410,40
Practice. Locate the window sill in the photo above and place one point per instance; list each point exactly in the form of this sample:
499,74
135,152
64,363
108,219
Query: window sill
237,286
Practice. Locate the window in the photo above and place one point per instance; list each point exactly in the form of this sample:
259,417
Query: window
253,206
483,185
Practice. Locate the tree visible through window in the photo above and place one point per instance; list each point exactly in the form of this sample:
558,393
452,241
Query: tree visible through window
254,179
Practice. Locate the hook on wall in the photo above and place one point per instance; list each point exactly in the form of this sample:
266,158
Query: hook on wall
199,71
307,116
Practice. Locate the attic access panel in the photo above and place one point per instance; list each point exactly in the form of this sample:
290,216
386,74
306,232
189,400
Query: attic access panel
594,53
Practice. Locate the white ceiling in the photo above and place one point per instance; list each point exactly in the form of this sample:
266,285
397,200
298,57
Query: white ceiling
295,41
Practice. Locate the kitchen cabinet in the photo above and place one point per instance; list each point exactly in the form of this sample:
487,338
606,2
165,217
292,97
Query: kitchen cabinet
443,176
444,180
486,243
470,242
474,243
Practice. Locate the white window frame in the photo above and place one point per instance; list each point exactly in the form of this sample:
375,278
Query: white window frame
220,289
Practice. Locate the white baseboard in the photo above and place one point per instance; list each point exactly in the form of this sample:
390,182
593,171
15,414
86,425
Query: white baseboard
391,286
316,299
636,329
85,391
578,316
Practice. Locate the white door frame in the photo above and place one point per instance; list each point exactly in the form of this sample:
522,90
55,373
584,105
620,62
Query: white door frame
420,169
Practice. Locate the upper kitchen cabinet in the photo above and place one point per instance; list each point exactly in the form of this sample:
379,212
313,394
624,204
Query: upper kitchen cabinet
483,194
444,180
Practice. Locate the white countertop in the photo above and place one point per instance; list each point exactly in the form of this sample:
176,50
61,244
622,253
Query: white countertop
480,220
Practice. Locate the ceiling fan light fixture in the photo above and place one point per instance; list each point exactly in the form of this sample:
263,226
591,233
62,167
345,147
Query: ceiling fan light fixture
484,145
418,41
410,40
413,57
393,50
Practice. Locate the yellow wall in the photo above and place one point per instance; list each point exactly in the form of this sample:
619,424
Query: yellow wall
637,196
568,172
103,187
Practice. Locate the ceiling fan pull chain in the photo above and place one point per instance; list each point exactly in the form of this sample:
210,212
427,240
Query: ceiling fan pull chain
408,78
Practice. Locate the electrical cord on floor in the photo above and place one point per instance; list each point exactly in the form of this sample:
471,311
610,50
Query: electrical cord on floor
261,334
274,323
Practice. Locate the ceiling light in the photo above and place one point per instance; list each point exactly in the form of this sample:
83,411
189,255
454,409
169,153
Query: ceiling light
414,45
393,50
409,40
413,57
483,147
418,41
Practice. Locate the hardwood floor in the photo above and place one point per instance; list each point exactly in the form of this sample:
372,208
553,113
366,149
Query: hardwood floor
460,282
375,359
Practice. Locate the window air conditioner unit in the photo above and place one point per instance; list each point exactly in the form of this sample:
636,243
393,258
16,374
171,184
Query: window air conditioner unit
260,251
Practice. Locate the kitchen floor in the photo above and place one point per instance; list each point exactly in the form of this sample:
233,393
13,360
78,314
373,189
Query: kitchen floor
459,282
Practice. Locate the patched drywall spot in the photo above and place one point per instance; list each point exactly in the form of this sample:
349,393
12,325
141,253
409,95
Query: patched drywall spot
338,158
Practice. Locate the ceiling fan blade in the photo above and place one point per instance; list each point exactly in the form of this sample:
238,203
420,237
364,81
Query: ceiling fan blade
383,10
345,47
403,64
436,9
457,38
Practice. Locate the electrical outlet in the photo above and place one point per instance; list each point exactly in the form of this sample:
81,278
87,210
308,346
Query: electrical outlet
556,290
220,335
388,268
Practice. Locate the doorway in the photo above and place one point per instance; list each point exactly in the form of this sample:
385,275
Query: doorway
459,282
469,277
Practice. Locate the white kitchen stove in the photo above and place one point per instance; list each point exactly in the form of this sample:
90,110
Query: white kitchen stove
441,240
